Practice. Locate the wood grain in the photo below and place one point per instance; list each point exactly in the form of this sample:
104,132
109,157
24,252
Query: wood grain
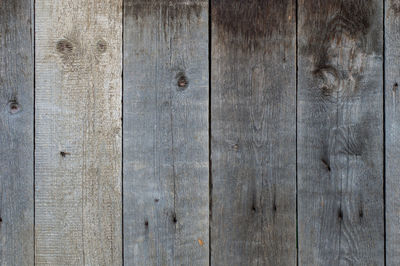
16,133
340,133
392,101
253,132
78,132
166,198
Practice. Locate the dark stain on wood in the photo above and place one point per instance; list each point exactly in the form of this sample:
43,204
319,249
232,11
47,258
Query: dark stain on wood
395,6
336,20
167,10
251,23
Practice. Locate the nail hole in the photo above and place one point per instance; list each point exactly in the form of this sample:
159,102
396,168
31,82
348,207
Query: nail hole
64,153
156,200
146,223
174,218
64,47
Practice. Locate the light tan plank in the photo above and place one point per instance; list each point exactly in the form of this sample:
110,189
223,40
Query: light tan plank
78,132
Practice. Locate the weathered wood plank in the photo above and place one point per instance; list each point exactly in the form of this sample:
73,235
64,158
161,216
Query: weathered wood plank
16,133
78,132
340,133
253,124
392,101
166,206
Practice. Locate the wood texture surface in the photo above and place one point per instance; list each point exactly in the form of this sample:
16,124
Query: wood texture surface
16,133
253,132
166,198
340,133
287,162
78,198
392,121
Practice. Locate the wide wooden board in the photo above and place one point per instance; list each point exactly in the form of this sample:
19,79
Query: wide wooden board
16,133
78,132
165,135
253,132
340,132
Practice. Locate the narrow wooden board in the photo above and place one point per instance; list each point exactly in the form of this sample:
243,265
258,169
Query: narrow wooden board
253,125
78,132
340,132
16,133
392,128
165,167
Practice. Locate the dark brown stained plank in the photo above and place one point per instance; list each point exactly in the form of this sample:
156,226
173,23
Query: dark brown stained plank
165,175
253,132
340,132
16,133
78,202
392,122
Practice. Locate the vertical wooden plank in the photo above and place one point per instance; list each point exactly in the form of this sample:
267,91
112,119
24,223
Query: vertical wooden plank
340,133
16,133
166,206
253,124
78,132
392,127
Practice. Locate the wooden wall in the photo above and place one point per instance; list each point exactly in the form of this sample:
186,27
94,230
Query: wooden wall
199,132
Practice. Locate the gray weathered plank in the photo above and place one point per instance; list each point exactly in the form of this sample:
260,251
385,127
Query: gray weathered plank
392,104
340,133
78,132
16,133
253,124
165,176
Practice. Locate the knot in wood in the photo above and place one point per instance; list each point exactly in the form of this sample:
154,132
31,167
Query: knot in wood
13,107
101,46
64,47
182,82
